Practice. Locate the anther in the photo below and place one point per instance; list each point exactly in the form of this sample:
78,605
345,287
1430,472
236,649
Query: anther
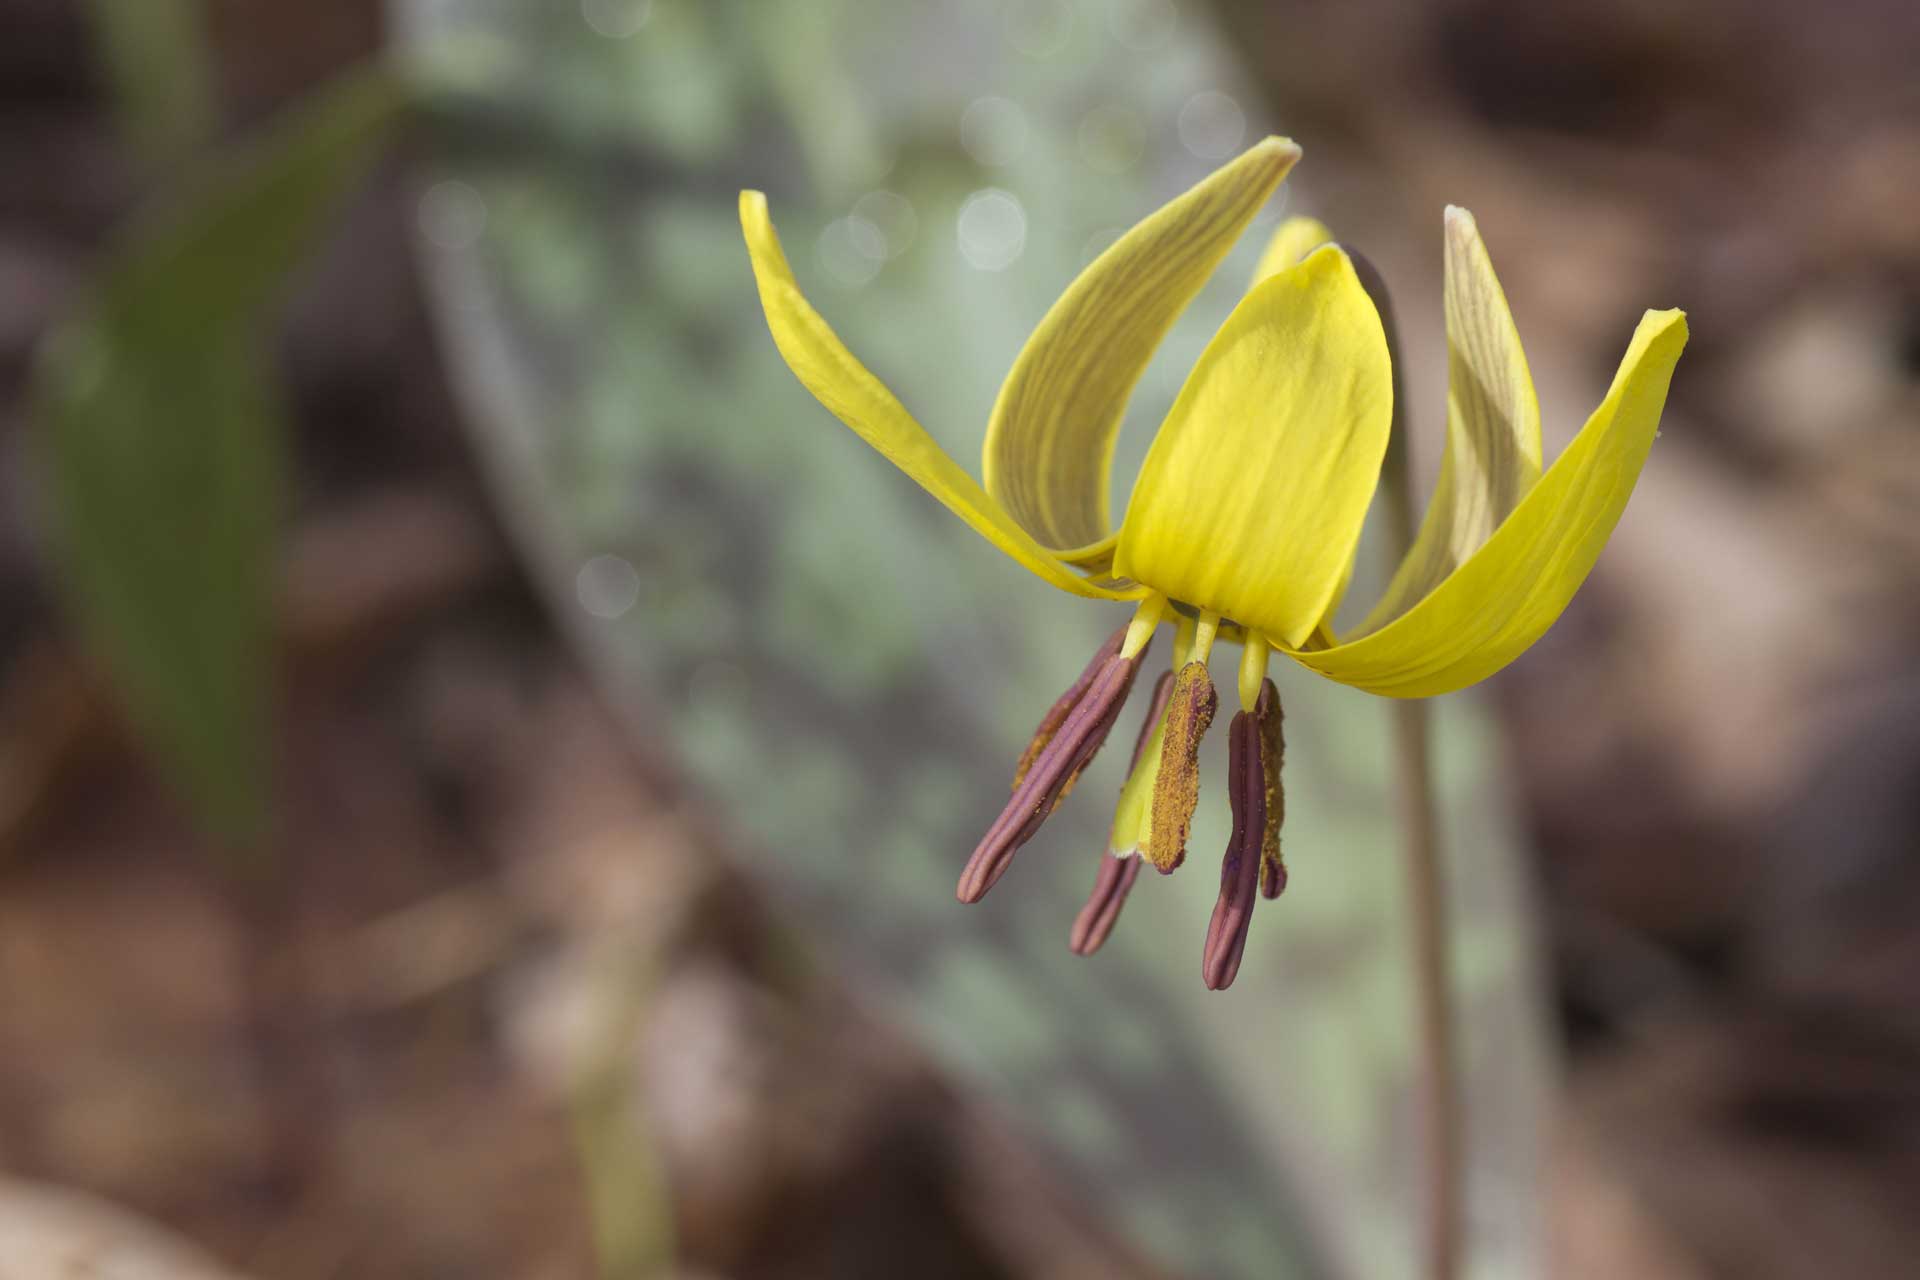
1051,772
1110,888
1176,788
1240,869
1252,863
1063,707
1116,875
1273,752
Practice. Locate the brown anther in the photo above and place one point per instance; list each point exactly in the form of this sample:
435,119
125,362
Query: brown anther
1273,879
1115,878
1059,761
1240,870
1110,888
1273,750
1176,788
1063,707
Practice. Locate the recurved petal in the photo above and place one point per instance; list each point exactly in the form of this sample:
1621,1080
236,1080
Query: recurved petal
1506,594
1292,240
1493,426
1251,499
1049,444
841,383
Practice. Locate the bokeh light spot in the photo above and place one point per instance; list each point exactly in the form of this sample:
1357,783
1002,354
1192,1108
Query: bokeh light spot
894,215
452,215
1039,28
993,229
1142,25
1212,125
617,19
607,586
851,250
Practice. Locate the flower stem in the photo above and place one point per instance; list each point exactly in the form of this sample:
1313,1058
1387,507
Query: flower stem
1442,1161
1427,893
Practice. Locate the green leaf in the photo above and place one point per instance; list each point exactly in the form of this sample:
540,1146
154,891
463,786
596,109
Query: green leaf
164,444
156,61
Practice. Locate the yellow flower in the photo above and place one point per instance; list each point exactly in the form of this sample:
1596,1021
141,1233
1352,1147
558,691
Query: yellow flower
1246,514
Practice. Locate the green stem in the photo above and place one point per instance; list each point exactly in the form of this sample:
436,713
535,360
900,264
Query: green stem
1443,1156
629,1205
1427,893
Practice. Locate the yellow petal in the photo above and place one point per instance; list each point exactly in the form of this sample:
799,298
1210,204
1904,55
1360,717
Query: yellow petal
1292,240
1251,499
818,358
1493,426
1049,444
1512,589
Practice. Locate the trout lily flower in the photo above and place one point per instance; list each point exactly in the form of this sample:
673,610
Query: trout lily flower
1246,515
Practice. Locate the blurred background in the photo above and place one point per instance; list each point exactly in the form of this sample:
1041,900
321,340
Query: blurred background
484,757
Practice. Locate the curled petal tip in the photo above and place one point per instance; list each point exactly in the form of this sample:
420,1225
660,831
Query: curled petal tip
1667,315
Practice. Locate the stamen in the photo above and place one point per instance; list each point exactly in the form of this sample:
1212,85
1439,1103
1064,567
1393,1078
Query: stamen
1240,870
1102,912
1063,707
1273,751
1115,878
1145,619
1183,636
1253,669
1052,772
1203,635
1176,788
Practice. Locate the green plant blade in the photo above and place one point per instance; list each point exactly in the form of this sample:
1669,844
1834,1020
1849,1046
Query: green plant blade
163,443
